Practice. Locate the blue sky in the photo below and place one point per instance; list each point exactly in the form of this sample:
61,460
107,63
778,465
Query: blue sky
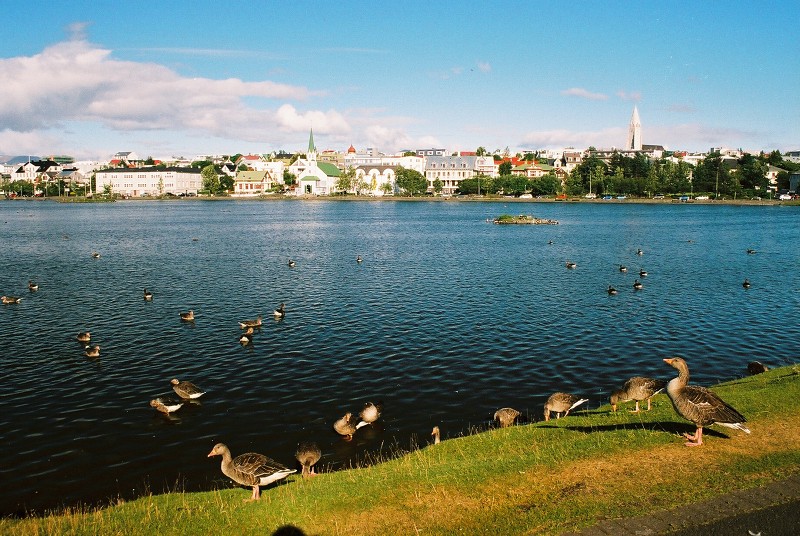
176,78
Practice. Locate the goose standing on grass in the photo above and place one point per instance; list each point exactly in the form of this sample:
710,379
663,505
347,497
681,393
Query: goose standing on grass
148,296
280,312
188,317
32,286
369,414
165,406
10,299
244,324
186,389
699,405
506,416
250,469
84,336
746,283
559,403
637,388
346,426
92,351
308,454
436,435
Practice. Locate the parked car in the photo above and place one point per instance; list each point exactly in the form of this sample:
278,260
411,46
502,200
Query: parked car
607,198
785,197
590,196
658,196
702,198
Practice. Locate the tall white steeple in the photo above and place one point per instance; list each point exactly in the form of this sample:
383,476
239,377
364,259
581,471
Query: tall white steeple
634,132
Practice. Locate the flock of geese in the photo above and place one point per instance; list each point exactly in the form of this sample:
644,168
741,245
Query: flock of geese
696,404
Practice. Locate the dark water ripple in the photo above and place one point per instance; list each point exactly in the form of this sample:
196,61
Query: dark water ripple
447,319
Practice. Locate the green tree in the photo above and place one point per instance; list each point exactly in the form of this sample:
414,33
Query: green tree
752,173
289,178
480,151
438,185
107,190
210,178
505,168
411,181
347,180
149,161
225,184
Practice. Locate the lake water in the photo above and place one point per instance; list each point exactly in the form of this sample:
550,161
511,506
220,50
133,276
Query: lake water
447,319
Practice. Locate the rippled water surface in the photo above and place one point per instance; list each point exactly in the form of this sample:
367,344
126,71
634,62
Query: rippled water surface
447,319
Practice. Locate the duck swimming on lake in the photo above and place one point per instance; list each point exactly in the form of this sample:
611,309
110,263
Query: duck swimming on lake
623,268
746,283
247,336
244,324
188,317
699,405
280,312
506,416
642,273
250,469
639,252
186,389
571,265
369,414
359,259
308,454
84,336
33,287
10,299
611,290
148,296
559,403
291,263
637,388
92,351
637,285
95,255
165,406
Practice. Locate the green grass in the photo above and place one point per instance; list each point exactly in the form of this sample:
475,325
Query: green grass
542,478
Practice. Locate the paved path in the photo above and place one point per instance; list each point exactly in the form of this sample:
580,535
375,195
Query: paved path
771,510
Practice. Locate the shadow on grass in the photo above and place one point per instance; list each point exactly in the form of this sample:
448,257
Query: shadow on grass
674,428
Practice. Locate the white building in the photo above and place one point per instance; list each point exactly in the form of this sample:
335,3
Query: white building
451,170
380,180
314,178
152,181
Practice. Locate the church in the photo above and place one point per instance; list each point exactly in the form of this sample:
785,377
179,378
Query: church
313,177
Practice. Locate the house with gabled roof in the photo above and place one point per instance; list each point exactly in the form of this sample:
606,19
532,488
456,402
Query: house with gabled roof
253,183
313,177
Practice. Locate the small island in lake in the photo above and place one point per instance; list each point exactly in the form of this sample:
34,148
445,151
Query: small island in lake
522,219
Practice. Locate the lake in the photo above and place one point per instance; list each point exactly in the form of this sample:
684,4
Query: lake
447,319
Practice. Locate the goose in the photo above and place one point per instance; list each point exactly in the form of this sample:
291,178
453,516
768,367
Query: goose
623,268
611,290
188,317
250,469
10,299
308,454
247,337
291,263
642,272
148,296
186,389
699,405
637,388
84,336
345,426
165,406
637,285
639,252
369,414
280,312
244,324
435,434
559,403
95,255
359,259
571,265
746,283
756,367
506,416
33,287
92,351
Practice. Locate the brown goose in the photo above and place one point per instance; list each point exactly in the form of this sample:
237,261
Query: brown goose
250,469
188,317
506,416
699,405
369,414
32,286
244,324
247,337
148,296
756,367
92,351
165,406
638,389
436,435
10,299
186,389
346,426
308,454
559,403
84,336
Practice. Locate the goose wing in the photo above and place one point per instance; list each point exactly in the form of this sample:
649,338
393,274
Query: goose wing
703,407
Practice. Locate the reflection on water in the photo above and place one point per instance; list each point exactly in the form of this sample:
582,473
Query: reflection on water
446,319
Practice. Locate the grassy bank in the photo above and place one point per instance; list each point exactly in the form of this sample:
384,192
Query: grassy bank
541,478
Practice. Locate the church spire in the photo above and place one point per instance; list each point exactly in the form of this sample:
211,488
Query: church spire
634,132
311,147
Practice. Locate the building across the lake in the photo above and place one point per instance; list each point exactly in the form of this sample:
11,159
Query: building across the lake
149,181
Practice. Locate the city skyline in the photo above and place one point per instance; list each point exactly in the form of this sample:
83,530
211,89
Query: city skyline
183,78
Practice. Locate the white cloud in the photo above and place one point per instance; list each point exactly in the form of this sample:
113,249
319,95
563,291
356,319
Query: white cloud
583,93
484,66
634,96
331,121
